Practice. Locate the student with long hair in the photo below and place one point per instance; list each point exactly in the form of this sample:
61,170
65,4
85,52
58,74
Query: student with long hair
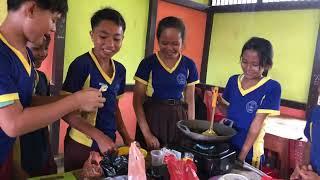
164,88
249,98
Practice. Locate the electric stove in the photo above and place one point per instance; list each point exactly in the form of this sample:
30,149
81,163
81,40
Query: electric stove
211,159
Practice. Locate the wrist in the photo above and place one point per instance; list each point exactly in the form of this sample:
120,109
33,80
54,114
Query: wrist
145,131
124,134
245,149
243,154
76,100
242,157
146,134
98,136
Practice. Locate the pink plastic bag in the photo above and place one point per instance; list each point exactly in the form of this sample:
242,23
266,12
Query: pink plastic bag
136,167
181,169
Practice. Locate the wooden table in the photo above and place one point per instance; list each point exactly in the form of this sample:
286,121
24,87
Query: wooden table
281,147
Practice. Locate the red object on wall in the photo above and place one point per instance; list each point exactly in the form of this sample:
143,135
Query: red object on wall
296,113
128,115
195,22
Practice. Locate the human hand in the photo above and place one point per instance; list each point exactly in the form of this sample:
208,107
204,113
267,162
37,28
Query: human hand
95,157
309,174
296,173
89,99
152,141
91,167
106,144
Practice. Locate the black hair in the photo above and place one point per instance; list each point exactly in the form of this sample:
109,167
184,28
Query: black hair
171,22
108,14
264,49
60,6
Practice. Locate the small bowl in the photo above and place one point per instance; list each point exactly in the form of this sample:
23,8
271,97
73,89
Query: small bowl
124,150
232,176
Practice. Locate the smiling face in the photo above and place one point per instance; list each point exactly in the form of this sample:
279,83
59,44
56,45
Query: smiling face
250,64
38,22
107,39
39,50
170,43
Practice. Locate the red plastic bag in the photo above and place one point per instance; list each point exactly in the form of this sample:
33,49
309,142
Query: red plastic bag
266,178
136,167
181,169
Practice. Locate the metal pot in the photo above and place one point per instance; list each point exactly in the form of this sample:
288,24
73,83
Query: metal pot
194,128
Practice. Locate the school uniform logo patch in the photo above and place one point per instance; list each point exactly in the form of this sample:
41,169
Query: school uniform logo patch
116,88
251,106
181,79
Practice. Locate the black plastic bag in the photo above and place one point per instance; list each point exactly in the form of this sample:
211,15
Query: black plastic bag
114,165
120,164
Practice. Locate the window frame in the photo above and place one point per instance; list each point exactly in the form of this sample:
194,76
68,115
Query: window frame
266,6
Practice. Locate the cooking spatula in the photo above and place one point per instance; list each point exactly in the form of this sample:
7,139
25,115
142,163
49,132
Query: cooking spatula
210,131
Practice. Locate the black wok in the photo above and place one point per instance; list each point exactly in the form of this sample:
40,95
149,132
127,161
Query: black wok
194,128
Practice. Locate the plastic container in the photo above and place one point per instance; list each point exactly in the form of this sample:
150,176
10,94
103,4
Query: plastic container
156,157
232,176
124,150
188,155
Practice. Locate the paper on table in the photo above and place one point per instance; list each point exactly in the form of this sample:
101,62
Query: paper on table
285,127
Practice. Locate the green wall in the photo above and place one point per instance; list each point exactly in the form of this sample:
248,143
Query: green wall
3,10
292,33
78,26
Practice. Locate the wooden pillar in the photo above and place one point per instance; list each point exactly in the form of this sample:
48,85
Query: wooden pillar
57,76
152,22
315,78
206,48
